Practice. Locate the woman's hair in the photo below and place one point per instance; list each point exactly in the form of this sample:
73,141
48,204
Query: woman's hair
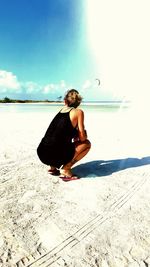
72,98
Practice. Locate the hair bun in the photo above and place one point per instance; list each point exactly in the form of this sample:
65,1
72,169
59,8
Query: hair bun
73,98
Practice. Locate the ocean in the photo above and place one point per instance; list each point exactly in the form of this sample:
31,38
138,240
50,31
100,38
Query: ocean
98,106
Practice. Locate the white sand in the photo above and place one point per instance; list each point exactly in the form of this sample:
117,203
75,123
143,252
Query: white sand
101,220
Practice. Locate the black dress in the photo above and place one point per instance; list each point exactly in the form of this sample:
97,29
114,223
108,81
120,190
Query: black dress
56,148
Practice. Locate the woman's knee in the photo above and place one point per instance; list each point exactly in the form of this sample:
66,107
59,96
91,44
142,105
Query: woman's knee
83,145
88,143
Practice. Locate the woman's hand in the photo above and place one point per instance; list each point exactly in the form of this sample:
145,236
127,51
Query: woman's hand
75,139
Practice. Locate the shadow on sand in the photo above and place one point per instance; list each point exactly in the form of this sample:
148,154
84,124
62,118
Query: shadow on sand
100,168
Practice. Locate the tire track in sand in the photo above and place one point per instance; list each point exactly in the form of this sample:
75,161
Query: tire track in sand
55,255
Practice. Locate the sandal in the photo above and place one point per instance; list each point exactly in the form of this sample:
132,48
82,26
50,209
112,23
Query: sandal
54,172
67,178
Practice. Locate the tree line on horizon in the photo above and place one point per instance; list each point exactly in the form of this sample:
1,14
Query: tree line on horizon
9,100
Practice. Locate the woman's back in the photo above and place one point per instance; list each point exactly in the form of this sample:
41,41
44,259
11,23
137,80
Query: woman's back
60,130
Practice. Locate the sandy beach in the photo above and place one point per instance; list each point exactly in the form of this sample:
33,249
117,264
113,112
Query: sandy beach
103,219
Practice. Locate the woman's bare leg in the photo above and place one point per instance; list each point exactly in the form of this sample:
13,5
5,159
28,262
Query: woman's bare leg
52,168
81,149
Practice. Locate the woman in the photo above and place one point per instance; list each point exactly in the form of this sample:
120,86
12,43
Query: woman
65,141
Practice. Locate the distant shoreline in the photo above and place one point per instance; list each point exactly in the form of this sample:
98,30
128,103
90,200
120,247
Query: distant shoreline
29,102
13,101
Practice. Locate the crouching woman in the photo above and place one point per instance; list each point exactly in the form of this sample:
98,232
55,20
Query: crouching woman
65,141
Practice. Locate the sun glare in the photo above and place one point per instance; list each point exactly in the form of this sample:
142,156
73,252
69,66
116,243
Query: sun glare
118,37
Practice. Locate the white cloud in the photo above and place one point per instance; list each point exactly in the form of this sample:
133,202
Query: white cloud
55,89
62,84
10,86
87,84
49,88
8,81
32,87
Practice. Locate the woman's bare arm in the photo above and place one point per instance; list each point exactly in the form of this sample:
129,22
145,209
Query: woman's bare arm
81,129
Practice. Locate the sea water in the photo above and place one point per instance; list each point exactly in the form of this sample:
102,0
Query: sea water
54,107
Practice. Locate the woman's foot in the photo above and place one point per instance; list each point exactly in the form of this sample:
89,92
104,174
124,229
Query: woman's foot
67,175
65,172
53,171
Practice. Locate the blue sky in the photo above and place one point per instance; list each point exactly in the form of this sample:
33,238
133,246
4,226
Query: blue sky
47,47
43,43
